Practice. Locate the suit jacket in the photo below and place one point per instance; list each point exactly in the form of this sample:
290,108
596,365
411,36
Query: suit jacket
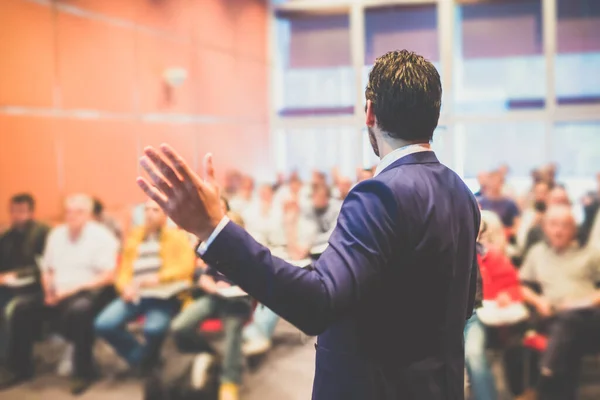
389,297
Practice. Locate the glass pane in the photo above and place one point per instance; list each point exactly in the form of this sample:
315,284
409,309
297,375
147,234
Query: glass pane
316,75
576,149
499,63
578,58
323,149
400,27
487,146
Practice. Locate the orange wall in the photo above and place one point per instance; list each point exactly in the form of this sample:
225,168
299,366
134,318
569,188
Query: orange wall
81,92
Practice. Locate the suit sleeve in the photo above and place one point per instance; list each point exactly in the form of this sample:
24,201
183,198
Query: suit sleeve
475,288
360,249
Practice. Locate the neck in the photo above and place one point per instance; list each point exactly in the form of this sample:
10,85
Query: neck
493,194
389,144
74,233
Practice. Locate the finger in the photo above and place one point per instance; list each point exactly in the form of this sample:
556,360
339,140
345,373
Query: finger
156,178
162,166
178,162
209,169
152,192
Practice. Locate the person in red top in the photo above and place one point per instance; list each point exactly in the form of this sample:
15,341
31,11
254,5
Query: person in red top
499,276
502,305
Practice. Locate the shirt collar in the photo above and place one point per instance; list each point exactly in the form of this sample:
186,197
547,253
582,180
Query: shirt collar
398,154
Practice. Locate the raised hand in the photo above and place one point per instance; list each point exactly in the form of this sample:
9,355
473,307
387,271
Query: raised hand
191,202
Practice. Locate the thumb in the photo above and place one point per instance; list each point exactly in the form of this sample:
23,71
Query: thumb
209,171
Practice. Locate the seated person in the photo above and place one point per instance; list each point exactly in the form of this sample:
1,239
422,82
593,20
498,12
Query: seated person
291,238
111,223
569,303
259,215
78,271
494,200
20,247
155,259
499,285
234,312
323,213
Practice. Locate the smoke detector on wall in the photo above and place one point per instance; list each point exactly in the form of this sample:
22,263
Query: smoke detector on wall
175,76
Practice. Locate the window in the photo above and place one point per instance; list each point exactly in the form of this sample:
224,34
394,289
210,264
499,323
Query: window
499,63
304,150
487,146
578,52
576,149
316,75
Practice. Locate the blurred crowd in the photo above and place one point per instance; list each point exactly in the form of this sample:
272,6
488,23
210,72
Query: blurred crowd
87,278
539,298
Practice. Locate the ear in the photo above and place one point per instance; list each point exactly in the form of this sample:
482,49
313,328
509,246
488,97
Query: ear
370,115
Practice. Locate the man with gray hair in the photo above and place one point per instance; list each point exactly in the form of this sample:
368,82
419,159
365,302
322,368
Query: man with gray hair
78,268
569,303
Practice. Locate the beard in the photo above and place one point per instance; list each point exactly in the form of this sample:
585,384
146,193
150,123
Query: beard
373,141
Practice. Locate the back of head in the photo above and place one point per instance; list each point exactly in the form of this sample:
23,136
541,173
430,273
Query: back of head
406,95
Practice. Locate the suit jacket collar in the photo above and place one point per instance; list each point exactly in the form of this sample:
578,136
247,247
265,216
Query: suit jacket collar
421,157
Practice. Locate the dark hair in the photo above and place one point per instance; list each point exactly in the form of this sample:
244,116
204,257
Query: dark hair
98,208
23,198
540,206
406,95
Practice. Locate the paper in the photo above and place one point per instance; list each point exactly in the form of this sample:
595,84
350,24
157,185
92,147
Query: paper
19,282
231,291
165,290
492,315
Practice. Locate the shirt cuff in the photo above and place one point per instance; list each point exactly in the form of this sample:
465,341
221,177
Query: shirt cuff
203,246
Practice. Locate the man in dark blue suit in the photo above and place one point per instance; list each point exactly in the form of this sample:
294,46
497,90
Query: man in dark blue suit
390,296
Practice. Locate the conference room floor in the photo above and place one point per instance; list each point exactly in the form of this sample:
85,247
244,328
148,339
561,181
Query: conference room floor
286,374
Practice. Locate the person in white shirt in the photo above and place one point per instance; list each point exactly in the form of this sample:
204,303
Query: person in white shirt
243,198
290,238
262,214
78,271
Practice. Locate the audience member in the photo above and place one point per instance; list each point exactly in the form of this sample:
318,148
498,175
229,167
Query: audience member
494,200
21,295
568,303
242,199
342,188
156,261
558,196
293,236
494,234
536,232
78,271
323,214
233,311
590,228
101,217
530,215
362,174
482,179
261,214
